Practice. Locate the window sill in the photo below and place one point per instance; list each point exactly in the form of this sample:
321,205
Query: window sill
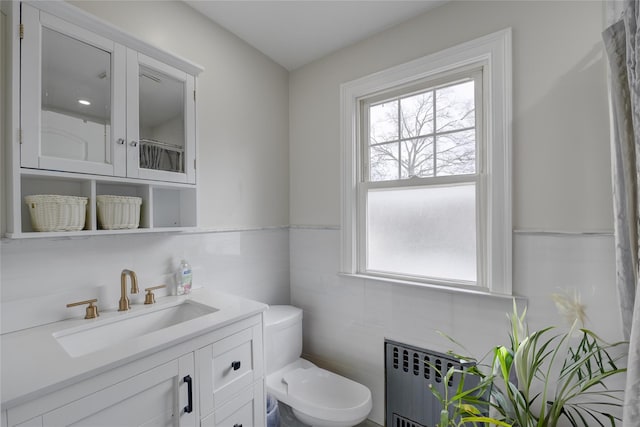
461,290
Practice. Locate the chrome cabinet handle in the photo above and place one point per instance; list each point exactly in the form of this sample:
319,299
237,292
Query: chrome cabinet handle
134,143
120,141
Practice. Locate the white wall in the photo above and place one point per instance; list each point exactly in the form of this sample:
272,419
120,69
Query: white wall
560,131
242,175
562,210
242,111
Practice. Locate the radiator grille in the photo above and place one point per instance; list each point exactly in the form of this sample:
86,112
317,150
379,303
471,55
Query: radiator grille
399,421
409,371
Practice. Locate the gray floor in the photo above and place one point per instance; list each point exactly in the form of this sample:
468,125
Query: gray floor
287,419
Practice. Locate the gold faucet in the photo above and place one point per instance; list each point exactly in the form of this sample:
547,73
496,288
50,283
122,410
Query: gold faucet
124,301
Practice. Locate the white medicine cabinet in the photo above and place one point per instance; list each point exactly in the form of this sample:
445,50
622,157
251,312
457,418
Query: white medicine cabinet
95,111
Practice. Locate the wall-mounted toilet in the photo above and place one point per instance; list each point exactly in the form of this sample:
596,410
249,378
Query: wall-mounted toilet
317,397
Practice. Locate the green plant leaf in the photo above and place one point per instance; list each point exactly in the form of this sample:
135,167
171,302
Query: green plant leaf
489,420
436,393
469,409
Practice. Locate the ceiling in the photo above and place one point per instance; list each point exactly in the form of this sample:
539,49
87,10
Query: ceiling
296,32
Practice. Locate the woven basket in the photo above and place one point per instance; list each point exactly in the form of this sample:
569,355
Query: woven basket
50,212
118,212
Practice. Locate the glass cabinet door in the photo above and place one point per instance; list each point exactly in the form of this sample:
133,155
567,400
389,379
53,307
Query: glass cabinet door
160,120
70,85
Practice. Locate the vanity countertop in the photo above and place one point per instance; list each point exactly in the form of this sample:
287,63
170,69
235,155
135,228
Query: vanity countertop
34,363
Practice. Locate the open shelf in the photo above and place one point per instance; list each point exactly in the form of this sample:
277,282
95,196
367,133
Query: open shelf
166,207
173,207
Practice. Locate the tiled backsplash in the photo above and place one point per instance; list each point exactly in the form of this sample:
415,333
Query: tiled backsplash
40,276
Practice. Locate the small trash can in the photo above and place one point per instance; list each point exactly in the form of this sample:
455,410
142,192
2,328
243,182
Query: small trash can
273,413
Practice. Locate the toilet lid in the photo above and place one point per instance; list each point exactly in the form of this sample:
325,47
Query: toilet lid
323,394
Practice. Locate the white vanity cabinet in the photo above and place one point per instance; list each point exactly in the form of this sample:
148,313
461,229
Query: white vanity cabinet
159,396
162,396
95,111
215,379
231,386
245,410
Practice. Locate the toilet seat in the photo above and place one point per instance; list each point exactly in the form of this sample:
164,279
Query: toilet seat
320,397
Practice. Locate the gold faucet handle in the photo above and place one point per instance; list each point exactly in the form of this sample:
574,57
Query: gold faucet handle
92,310
150,298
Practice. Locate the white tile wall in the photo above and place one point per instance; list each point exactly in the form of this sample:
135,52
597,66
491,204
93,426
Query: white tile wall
347,319
39,276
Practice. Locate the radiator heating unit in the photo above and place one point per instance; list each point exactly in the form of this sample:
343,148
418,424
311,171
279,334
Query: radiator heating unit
408,372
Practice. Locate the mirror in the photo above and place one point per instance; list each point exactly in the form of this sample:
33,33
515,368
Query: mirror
76,99
162,133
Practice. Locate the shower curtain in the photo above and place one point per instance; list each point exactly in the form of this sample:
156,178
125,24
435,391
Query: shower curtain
622,40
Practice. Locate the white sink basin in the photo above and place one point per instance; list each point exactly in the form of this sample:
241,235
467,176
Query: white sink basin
106,332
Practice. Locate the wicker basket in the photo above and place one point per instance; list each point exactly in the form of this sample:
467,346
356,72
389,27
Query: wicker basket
51,212
118,212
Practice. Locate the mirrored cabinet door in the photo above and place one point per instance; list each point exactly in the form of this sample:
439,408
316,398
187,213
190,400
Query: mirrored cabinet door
161,120
72,85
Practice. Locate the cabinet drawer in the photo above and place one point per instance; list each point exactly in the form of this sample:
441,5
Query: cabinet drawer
228,366
246,409
233,361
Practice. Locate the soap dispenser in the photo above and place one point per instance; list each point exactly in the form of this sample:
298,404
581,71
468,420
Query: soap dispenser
184,277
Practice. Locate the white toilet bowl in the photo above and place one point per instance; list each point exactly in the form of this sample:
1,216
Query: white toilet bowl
317,397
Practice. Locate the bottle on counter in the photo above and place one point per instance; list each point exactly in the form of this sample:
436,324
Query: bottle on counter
184,278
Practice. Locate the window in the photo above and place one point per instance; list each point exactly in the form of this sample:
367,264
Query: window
420,178
426,170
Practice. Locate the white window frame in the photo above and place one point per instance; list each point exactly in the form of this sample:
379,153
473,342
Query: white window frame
493,54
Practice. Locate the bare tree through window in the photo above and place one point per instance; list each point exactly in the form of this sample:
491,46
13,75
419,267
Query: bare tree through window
428,134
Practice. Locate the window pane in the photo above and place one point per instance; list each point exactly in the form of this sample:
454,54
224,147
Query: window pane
383,122
417,115
456,153
417,157
428,232
455,107
383,165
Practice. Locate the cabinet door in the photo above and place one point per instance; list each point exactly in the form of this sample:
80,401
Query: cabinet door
157,397
72,97
228,366
160,120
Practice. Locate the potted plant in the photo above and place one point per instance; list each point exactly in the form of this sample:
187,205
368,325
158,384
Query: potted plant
539,379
